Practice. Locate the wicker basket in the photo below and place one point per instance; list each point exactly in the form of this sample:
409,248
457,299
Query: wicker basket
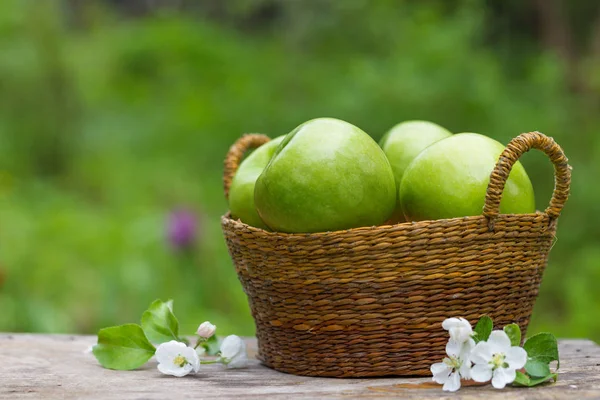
370,301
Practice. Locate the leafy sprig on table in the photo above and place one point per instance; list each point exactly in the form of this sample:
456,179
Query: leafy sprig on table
542,349
129,346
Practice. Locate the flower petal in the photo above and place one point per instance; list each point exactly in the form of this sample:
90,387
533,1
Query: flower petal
452,384
239,361
481,373
467,348
166,352
466,331
499,342
173,370
206,329
192,358
184,371
481,353
232,345
503,376
453,348
459,334
516,357
450,323
459,329
165,368
465,370
441,372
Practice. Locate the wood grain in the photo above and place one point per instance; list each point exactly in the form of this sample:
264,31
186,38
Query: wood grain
58,367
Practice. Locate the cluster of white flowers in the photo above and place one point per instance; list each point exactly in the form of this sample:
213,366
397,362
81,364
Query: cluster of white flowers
178,359
493,359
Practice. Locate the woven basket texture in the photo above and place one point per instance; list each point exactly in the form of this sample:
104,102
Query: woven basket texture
370,301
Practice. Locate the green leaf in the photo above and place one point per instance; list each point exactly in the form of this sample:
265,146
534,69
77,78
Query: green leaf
159,323
212,346
123,347
514,334
537,369
542,347
524,380
483,329
537,381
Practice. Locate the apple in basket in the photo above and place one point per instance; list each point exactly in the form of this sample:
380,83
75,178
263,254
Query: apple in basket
241,192
449,179
403,143
326,175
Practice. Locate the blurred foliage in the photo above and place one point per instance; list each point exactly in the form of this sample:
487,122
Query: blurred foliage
112,119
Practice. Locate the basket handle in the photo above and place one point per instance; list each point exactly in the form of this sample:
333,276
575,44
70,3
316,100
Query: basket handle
236,153
513,151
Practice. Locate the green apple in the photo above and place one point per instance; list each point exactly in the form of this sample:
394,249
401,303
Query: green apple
403,143
326,175
449,179
241,192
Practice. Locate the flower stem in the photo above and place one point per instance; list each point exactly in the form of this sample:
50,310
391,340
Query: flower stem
199,342
217,361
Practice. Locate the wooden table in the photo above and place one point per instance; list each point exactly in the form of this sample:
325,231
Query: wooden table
58,367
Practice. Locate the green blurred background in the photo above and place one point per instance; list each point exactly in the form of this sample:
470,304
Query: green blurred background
116,114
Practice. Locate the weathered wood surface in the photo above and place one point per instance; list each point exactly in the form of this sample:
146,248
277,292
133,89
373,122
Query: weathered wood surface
58,367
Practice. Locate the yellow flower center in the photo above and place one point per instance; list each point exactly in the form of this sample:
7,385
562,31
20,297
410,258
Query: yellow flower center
180,361
497,361
453,362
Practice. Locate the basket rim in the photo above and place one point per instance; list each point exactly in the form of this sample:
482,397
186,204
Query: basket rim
227,218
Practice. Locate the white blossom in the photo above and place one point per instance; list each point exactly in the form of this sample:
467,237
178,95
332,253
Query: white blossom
206,330
177,359
459,329
233,352
497,360
454,367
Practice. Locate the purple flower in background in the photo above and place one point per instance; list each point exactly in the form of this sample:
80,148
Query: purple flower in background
182,229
